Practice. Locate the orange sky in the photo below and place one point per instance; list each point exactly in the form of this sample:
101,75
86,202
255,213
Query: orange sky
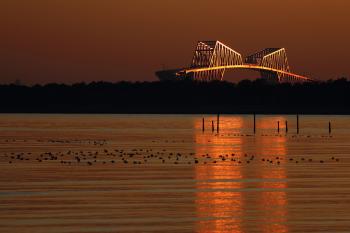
84,40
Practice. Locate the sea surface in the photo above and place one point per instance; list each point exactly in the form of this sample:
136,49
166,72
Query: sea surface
163,173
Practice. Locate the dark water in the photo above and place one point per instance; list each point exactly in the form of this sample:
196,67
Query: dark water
153,173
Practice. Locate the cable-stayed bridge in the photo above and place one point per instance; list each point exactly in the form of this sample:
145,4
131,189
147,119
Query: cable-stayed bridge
212,58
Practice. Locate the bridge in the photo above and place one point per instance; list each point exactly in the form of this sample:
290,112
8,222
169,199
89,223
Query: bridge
212,58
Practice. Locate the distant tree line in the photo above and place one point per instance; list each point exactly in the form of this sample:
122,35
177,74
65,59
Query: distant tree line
330,97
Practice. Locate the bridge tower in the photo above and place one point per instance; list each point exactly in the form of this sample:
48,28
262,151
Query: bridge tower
211,54
274,58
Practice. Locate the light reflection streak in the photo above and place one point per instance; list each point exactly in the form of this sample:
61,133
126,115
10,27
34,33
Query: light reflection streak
223,210
273,205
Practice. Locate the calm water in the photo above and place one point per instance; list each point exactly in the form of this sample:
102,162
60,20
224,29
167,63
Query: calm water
152,173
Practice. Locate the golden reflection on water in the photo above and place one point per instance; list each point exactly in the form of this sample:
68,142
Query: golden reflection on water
273,204
220,200
51,196
219,206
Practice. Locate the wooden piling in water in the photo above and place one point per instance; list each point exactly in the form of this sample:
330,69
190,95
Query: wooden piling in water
278,126
212,126
297,123
329,127
254,123
203,127
218,123
286,126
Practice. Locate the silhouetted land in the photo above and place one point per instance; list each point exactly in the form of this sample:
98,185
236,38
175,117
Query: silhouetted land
331,97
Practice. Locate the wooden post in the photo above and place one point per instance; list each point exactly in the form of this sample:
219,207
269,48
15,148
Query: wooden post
297,123
218,123
254,123
212,126
203,125
329,127
278,126
286,126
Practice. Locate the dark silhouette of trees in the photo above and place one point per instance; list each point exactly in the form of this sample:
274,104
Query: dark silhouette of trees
330,97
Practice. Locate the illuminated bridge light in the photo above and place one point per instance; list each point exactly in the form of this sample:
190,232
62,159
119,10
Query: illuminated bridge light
212,58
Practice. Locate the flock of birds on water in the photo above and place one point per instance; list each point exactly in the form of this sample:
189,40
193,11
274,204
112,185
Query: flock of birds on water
104,156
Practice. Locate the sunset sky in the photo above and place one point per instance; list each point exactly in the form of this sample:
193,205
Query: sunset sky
70,41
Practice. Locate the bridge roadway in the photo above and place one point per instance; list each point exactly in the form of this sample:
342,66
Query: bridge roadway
244,66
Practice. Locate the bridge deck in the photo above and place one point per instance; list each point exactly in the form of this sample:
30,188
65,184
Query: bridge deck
244,66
